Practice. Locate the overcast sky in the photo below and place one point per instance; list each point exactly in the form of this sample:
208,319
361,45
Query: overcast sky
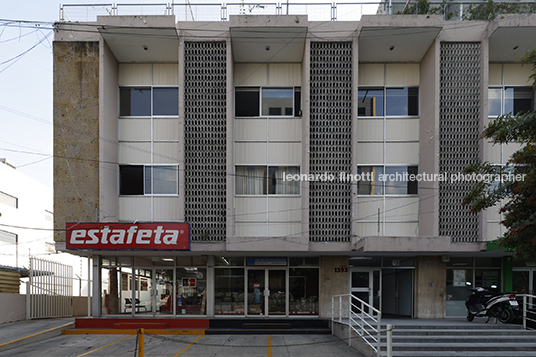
26,78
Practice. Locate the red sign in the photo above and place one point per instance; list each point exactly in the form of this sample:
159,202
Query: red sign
160,236
189,282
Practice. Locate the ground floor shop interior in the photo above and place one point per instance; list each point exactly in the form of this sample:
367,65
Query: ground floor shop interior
213,286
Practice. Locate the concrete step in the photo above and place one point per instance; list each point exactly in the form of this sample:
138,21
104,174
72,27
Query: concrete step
464,339
461,354
461,332
464,347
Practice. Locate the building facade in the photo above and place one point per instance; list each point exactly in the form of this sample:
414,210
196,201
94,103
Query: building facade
308,159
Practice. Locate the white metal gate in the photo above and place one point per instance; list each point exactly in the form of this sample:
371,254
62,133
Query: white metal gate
50,290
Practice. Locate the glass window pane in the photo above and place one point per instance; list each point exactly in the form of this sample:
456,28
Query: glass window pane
278,186
247,102
135,102
191,289
303,291
131,180
494,101
297,102
229,291
165,180
457,290
166,101
277,101
370,102
401,101
518,99
369,183
397,180
250,180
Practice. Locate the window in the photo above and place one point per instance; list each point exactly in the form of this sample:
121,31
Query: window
8,237
514,100
262,180
147,101
388,180
9,200
388,101
277,102
148,180
267,101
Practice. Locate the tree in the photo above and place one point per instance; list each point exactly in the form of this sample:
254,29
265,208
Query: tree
520,194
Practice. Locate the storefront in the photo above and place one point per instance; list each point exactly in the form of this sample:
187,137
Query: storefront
209,286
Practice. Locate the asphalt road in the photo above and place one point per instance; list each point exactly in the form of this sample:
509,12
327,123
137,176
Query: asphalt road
188,346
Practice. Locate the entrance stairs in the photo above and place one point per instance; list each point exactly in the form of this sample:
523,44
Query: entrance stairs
458,337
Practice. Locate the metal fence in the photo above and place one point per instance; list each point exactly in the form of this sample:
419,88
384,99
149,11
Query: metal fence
50,289
316,11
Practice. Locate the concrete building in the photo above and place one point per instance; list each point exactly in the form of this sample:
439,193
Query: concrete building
286,146
24,203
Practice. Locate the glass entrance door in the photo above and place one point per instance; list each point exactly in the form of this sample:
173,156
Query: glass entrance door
153,291
141,302
277,292
163,291
365,285
267,292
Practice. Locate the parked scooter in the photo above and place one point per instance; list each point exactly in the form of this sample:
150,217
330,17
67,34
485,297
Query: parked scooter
491,303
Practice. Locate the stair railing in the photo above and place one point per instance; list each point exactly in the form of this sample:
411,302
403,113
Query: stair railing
360,317
529,311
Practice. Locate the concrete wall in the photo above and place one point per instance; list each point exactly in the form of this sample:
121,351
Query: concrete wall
430,287
344,333
429,142
331,282
79,305
13,308
76,133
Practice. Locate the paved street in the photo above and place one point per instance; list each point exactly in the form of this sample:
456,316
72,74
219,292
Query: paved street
184,346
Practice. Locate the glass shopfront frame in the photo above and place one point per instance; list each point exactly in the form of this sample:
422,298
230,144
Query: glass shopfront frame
168,287
480,272
179,286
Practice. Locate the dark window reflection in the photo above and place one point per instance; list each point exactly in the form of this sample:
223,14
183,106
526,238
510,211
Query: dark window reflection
166,101
370,102
135,102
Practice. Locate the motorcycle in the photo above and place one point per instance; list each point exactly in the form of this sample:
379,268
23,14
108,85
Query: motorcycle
491,303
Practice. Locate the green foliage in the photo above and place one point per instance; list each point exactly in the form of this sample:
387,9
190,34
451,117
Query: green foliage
520,207
487,11
492,9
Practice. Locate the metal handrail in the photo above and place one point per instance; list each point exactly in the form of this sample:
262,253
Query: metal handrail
529,302
451,9
363,318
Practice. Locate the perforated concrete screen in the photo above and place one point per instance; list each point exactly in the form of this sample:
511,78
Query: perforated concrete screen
459,133
330,140
205,133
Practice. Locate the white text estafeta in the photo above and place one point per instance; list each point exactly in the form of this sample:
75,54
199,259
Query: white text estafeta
125,236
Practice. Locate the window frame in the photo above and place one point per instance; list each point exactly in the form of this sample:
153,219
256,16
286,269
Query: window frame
383,185
296,113
384,89
143,179
151,110
267,182
502,88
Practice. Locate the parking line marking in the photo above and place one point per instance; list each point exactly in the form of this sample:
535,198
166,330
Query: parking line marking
100,348
185,348
269,346
35,334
